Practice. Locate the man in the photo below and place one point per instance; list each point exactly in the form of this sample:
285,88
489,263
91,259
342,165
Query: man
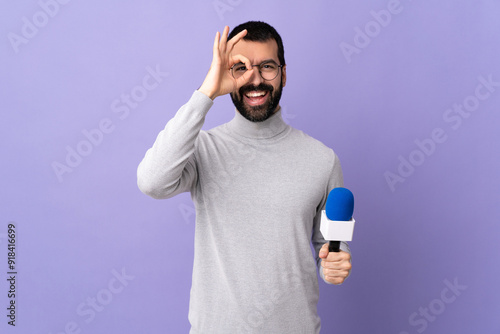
258,186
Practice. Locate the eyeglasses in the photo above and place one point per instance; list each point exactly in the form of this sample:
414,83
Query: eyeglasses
268,70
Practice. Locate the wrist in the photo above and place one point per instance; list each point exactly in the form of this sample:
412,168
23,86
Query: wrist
208,92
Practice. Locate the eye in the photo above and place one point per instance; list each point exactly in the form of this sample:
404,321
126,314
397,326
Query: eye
268,67
240,68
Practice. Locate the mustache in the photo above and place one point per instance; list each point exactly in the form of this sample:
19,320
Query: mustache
261,87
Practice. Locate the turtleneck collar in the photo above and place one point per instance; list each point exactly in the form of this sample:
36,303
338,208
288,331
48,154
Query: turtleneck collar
270,128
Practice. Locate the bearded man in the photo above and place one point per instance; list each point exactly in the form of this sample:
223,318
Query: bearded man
258,186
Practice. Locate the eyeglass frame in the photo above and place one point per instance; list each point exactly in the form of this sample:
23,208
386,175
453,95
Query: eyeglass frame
260,72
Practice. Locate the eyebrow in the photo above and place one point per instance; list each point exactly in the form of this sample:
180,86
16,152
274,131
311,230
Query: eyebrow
269,61
262,62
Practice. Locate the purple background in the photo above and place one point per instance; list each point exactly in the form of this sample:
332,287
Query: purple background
77,230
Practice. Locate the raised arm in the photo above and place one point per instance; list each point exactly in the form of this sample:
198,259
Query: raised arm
169,167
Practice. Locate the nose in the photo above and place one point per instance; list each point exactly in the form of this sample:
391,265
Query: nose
256,78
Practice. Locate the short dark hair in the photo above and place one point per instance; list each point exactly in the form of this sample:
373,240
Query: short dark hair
258,31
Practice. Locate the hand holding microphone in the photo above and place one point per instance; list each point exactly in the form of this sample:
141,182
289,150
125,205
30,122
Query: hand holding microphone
337,225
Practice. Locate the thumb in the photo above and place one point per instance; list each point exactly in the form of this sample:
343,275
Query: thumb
241,81
323,252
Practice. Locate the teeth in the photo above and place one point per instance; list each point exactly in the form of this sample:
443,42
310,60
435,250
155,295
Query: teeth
255,94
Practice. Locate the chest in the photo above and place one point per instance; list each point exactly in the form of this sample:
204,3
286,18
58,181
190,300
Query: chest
281,178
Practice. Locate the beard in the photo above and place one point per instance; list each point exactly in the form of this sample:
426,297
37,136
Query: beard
261,112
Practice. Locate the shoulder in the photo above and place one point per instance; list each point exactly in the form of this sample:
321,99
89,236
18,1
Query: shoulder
214,133
214,139
322,156
311,145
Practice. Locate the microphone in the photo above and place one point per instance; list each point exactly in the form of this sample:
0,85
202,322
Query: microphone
337,223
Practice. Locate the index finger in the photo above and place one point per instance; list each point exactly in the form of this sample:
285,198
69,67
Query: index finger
337,256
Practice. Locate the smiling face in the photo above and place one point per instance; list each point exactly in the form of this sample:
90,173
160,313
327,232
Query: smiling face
258,99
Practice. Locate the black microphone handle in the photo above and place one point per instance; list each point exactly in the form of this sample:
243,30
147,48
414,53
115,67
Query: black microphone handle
334,246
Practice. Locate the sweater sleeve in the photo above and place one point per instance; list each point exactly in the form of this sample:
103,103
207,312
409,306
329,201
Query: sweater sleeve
169,167
335,180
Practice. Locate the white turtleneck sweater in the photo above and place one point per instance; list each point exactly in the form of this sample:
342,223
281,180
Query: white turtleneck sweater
258,189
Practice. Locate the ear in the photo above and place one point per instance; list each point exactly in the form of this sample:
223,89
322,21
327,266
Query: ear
283,75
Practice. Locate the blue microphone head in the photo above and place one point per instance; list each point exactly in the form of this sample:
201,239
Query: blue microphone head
339,204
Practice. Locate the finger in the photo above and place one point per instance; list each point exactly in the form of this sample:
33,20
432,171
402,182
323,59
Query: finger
236,39
241,81
248,74
216,45
335,273
344,265
223,41
240,59
323,252
338,256
335,280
